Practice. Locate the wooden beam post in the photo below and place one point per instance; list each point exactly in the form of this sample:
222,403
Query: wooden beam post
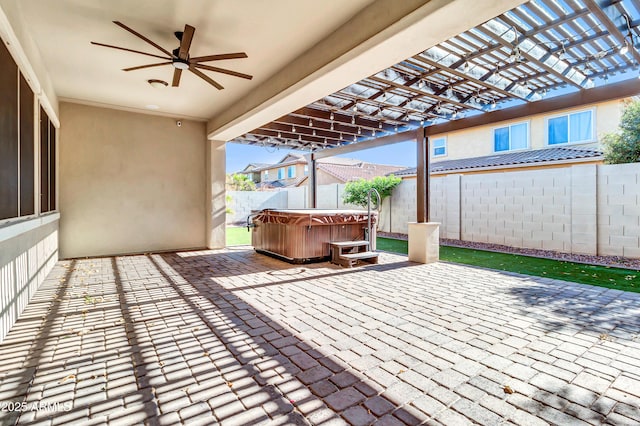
422,172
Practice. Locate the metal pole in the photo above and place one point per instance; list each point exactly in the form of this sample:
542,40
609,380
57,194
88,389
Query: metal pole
313,183
378,202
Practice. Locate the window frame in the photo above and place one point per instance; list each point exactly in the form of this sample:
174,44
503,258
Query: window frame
592,138
23,110
291,172
281,173
433,147
528,144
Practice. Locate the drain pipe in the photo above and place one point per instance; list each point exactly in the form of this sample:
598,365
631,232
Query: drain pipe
378,202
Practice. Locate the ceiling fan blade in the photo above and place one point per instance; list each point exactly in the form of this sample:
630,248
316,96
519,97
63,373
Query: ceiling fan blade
239,55
128,50
206,78
185,43
139,67
176,77
137,34
224,71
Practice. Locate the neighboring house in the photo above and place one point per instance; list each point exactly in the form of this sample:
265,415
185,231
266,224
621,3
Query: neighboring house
290,171
253,171
293,171
559,139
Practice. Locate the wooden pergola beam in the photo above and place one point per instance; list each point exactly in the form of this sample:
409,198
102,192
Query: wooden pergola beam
405,136
338,117
619,90
611,27
534,60
469,78
421,93
494,46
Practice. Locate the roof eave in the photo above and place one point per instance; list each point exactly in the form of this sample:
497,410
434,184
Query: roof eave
513,166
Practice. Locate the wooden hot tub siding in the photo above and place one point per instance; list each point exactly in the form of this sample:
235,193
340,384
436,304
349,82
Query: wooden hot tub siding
301,236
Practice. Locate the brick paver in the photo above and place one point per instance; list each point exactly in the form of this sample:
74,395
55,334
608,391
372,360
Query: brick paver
234,337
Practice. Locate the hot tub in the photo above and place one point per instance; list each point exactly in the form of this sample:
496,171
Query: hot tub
302,236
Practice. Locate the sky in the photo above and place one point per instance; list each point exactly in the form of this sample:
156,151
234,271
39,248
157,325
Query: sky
400,154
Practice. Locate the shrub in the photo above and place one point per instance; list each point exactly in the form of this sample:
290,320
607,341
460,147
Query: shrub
240,182
356,192
623,146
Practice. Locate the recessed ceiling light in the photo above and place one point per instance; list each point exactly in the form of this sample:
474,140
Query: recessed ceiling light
157,84
151,106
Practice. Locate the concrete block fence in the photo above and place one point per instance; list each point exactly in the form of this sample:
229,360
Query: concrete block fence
586,209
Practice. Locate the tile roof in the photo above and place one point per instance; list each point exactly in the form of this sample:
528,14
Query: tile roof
510,159
254,166
279,165
280,183
362,170
340,160
291,159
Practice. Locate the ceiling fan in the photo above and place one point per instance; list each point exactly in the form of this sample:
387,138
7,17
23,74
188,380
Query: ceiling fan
180,58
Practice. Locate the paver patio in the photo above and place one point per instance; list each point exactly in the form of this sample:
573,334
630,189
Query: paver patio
234,337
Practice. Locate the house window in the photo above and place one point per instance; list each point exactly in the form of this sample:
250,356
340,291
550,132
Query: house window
266,175
439,147
306,169
9,137
291,171
281,173
571,128
17,149
511,138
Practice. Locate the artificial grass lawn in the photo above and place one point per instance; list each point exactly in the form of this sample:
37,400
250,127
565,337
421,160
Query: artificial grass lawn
238,236
620,279
602,276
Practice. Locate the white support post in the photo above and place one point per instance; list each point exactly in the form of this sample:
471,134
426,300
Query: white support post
216,202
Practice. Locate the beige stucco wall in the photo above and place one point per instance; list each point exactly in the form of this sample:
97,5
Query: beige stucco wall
478,141
324,178
129,182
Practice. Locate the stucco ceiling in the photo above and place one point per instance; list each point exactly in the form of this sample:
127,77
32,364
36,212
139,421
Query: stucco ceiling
272,33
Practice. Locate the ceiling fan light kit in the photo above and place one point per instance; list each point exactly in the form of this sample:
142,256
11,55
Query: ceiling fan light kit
180,65
180,58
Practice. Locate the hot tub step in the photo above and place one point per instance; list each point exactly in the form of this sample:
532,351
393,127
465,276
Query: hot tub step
350,259
344,244
348,253
361,255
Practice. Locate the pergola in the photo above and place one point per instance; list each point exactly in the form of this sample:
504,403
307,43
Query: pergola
541,56
152,319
